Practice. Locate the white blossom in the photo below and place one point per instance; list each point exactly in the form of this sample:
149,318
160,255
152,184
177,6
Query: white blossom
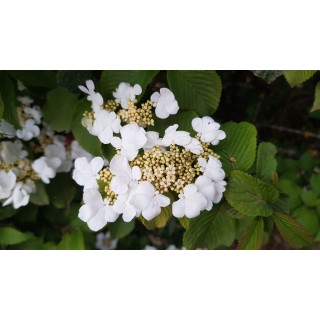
10,152
172,136
152,140
77,151
194,146
207,188
25,100
46,168
95,97
34,112
6,129
212,168
190,204
29,130
165,103
208,130
86,173
125,92
104,241
21,194
96,212
132,139
105,124
149,201
7,183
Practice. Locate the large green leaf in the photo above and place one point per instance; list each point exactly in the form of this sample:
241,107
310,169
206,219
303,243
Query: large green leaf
72,241
292,231
249,195
266,161
210,229
316,103
8,94
87,141
9,235
110,80
40,197
35,78
195,90
238,149
120,228
295,77
268,75
59,110
253,237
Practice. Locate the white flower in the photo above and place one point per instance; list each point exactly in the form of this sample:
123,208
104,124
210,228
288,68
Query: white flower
165,103
220,188
25,100
132,139
21,194
10,152
105,124
35,113
194,146
212,168
46,168
208,130
96,211
85,173
105,241
125,92
29,130
172,136
190,204
94,97
58,150
77,151
6,129
124,175
7,183
207,188
152,140
148,201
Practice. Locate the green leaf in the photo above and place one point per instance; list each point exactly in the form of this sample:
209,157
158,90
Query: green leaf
72,241
249,195
266,161
8,94
308,218
59,110
110,80
1,106
295,77
120,229
307,162
210,229
316,103
315,183
35,78
40,197
87,141
253,237
183,119
185,222
7,212
72,79
293,191
61,190
268,75
196,90
292,231
9,235
238,149
309,198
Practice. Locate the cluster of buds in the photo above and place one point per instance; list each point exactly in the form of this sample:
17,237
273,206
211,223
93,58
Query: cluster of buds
148,172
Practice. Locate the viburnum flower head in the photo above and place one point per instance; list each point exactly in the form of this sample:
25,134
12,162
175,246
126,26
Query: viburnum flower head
94,97
208,130
132,139
46,168
165,103
96,211
29,130
86,173
7,183
148,201
190,204
125,92
105,124
21,194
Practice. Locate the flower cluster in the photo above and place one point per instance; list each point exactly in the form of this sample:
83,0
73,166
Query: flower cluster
149,172
32,152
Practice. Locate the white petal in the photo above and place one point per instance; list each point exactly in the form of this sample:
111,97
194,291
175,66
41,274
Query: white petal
90,85
197,124
137,89
155,96
136,173
96,164
98,221
161,112
116,142
178,208
85,213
